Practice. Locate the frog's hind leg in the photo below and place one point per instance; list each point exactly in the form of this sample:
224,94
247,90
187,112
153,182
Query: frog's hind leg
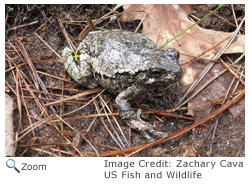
129,116
79,68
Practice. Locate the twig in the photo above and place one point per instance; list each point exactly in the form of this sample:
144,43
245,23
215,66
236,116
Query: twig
48,46
207,69
70,43
106,127
24,25
217,112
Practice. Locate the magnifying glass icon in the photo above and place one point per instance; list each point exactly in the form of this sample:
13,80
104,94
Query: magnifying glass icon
11,164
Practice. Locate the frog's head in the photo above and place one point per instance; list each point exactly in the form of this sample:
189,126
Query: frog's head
166,69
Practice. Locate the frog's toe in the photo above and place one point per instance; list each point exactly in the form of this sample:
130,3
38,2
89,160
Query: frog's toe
147,136
157,133
165,135
151,140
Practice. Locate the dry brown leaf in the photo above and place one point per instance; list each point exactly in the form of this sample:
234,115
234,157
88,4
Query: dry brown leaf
216,90
163,22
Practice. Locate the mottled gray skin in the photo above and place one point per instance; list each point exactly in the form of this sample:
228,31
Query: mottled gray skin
126,64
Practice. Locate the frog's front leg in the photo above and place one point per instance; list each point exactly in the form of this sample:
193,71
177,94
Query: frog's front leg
78,66
129,116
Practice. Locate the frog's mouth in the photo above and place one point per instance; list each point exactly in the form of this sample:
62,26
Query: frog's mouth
162,81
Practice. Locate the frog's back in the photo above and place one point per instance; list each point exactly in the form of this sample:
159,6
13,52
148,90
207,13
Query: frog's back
133,41
118,57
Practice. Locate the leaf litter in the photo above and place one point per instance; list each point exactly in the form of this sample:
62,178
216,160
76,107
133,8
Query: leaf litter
162,23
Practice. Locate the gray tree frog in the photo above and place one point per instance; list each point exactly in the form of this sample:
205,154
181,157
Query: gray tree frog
126,64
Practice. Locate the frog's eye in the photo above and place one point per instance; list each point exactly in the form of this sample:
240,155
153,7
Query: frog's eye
177,55
156,71
173,53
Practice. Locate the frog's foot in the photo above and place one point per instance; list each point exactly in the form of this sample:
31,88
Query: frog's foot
144,127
